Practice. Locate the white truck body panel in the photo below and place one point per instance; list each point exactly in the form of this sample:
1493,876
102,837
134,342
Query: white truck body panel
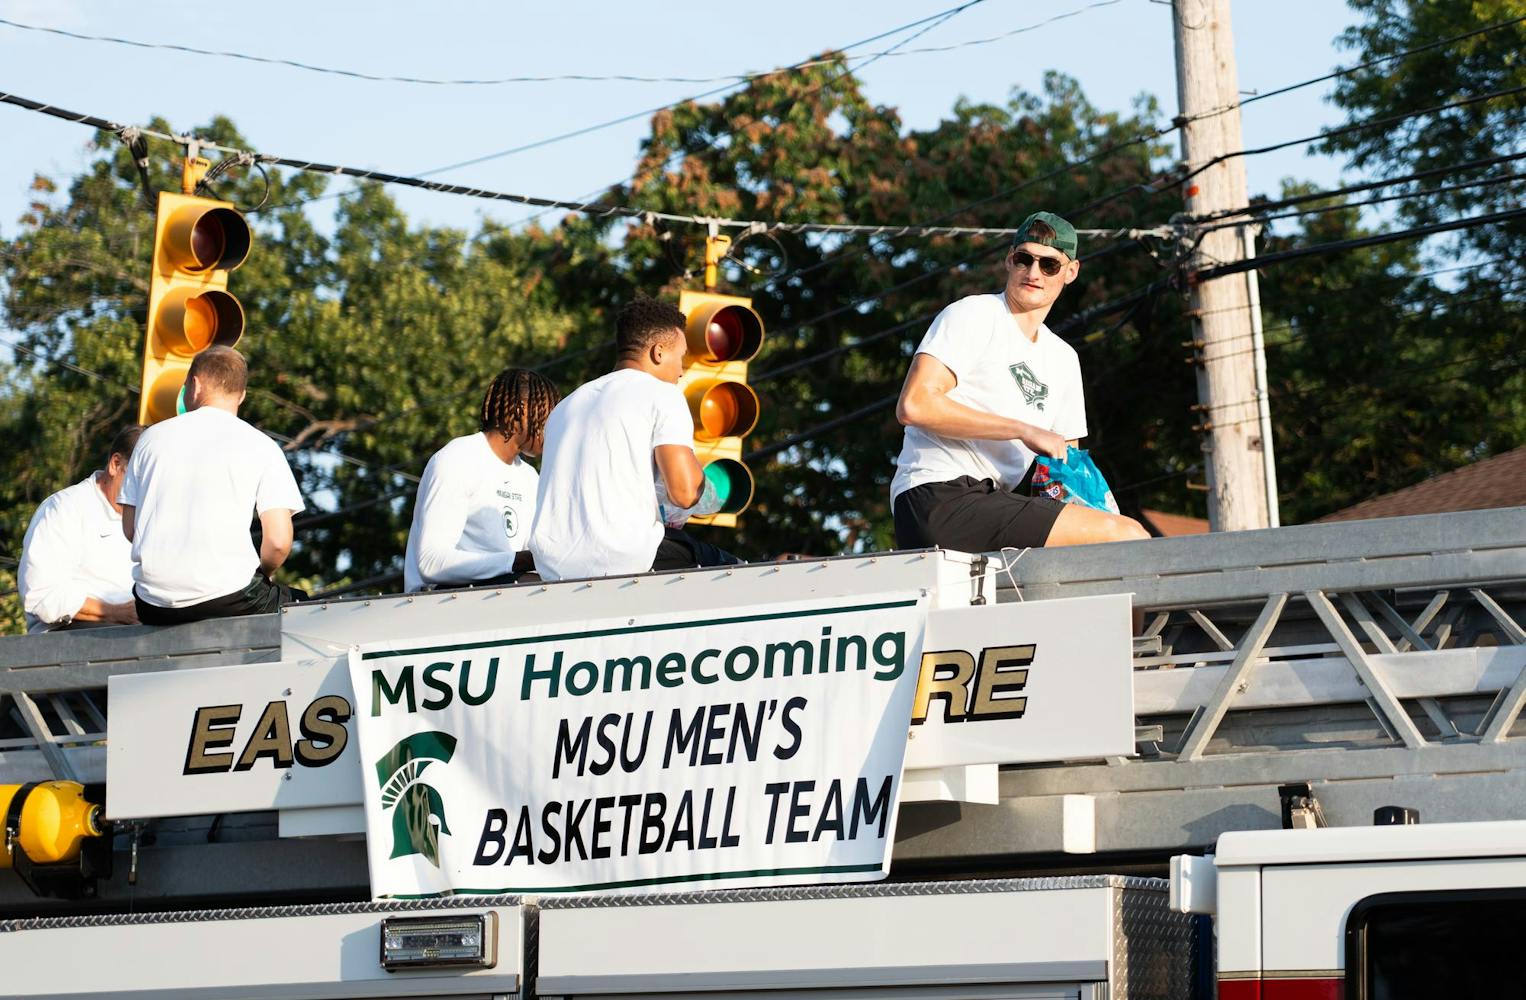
1071,934
290,953
1305,906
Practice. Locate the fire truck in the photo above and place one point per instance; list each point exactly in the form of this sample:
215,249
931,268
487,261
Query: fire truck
1320,792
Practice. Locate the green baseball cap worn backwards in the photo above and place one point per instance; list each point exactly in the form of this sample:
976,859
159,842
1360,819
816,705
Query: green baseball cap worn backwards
1063,238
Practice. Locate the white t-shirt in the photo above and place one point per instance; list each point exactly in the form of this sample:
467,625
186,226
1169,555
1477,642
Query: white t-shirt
999,370
74,548
472,513
598,500
196,482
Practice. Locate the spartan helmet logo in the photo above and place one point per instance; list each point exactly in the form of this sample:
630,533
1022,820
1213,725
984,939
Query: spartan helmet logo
1034,391
419,816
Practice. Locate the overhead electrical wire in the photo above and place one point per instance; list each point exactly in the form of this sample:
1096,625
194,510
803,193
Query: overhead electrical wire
1380,200
551,78
1507,363
1303,199
728,223
102,377
1377,239
1176,123
925,24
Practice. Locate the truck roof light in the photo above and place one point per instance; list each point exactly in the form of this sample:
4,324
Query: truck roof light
437,942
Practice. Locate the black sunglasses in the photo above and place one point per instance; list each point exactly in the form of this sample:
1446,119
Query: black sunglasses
1023,260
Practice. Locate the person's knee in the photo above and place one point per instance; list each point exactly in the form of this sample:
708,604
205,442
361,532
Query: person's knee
1126,529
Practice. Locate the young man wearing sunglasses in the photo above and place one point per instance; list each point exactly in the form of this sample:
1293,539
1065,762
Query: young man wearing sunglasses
990,389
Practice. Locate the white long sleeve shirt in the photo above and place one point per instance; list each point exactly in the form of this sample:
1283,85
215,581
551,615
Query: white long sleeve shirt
472,514
74,548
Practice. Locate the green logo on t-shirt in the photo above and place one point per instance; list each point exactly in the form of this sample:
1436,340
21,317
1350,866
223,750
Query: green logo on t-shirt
1034,391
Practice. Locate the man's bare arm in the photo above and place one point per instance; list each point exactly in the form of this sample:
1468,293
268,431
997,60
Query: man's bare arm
96,610
681,472
275,540
129,520
924,403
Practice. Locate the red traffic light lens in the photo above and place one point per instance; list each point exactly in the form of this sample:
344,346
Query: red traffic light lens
721,332
724,335
219,241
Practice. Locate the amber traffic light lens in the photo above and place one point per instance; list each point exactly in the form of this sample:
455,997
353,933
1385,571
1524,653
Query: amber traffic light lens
726,409
212,317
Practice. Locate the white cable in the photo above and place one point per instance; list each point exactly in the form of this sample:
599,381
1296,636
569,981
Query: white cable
1006,567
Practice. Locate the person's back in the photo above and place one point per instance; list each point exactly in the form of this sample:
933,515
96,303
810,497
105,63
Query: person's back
608,445
199,477
598,496
192,489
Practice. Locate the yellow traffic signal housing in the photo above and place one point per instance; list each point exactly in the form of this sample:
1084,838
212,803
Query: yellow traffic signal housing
197,241
724,334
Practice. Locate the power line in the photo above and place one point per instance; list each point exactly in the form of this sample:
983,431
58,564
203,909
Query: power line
1382,199
929,22
1417,232
751,225
1445,308
1382,390
1153,134
1302,199
136,390
383,177
554,78
1353,127
1386,279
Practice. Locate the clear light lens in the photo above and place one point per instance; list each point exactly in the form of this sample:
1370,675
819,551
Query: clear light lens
421,942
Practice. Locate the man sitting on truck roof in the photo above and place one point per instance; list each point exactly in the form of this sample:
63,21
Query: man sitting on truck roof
989,390
76,568
476,500
607,445
192,484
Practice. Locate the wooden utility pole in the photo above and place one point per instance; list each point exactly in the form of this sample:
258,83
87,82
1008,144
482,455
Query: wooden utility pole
1223,336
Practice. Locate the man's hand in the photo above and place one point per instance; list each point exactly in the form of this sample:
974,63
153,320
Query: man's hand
125,613
1045,442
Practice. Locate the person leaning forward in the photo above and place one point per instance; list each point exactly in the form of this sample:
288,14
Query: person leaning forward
607,444
476,500
76,568
190,489
990,389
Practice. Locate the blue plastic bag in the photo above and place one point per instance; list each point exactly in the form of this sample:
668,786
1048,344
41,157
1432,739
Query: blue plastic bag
1075,480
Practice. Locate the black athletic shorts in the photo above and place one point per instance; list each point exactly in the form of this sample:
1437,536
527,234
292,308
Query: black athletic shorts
972,515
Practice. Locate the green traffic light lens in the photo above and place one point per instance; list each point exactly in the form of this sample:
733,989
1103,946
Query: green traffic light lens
180,401
719,481
732,482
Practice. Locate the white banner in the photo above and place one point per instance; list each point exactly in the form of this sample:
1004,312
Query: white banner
740,748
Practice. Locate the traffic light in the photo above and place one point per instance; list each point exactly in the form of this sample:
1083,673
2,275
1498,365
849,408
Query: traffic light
197,241
724,333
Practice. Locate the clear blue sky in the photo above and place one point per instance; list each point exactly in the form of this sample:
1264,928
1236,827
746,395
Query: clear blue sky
1117,52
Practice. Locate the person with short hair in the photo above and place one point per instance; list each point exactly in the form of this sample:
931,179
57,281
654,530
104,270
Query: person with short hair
194,482
991,389
76,568
607,446
476,500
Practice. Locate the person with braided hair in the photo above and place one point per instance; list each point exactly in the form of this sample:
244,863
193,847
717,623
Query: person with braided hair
477,498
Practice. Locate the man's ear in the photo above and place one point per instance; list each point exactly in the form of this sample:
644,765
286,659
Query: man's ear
1072,270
